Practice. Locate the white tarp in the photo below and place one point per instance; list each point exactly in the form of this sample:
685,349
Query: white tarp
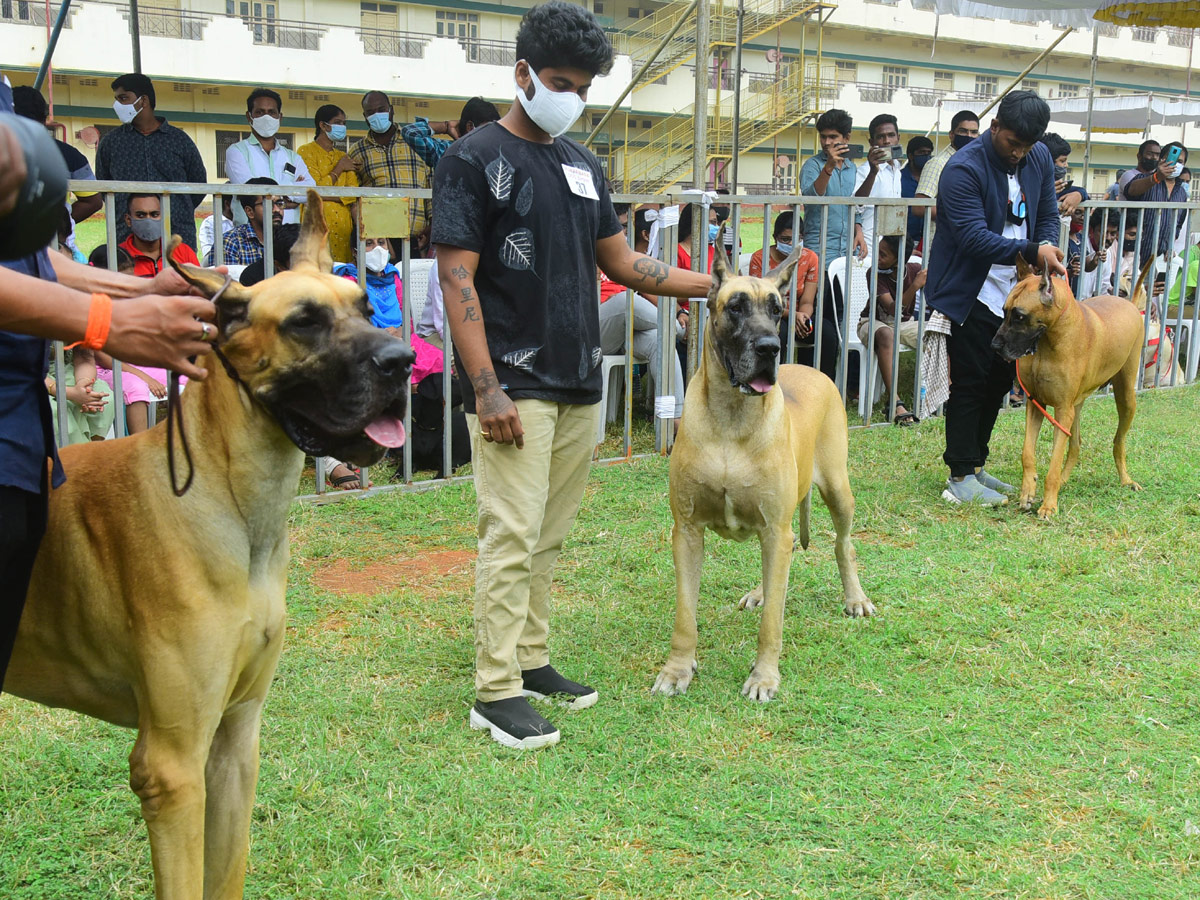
1075,13
1132,112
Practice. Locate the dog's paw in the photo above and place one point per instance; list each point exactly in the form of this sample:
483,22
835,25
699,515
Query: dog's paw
1133,486
761,685
752,599
1025,504
1047,511
859,607
674,679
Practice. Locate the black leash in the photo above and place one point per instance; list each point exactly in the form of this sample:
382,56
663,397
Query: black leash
175,411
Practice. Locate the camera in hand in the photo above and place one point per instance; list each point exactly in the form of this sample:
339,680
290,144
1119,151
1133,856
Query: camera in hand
897,151
854,151
34,220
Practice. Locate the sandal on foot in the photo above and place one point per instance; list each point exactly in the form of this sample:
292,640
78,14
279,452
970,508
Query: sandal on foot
349,482
905,419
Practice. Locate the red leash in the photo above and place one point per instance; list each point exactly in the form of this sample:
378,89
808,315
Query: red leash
1053,420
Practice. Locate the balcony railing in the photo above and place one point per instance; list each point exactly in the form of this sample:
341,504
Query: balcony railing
285,33
154,21
1179,37
30,12
380,42
490,53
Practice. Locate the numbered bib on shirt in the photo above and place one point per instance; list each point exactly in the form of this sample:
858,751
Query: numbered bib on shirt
580,182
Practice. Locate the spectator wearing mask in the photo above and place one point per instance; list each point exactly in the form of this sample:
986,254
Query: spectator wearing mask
30,103
384,160
830,174
920,150
1164,185
208,228
147,148
1100,253
893,293
384,288
283,239
1135,182
1069,195
683,252
879,176
614,312
996,200
330,167
808,271
244,243
420,134
263,156
964,128
143,217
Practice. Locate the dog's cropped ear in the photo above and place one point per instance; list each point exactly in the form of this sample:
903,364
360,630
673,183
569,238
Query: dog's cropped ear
311,249
234,300
1046,286
1024,269
720,266
782,275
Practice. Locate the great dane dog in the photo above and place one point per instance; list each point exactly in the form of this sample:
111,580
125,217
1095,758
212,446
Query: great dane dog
166,613
754,439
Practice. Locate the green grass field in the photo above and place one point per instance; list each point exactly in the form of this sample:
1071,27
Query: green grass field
1022,719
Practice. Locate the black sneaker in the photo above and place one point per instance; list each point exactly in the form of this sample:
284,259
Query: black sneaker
546,684
513,723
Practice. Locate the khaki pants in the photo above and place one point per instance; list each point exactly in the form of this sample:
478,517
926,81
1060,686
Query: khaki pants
527,501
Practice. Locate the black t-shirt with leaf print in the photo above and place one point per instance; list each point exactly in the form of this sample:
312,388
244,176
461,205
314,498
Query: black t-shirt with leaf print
521,207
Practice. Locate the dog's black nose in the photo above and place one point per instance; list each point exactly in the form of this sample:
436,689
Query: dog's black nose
392,358
767,345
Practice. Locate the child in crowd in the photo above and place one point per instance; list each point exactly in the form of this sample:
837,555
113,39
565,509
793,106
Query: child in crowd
890,293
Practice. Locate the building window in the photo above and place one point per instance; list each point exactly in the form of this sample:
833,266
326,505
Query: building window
1146,35
943,80
646,123
1108,92
461,26
895,76
1031,85
598,8
1068,90
845,72
379,16
987,85
181,87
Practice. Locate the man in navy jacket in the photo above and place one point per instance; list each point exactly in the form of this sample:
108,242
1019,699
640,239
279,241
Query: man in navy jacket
995,201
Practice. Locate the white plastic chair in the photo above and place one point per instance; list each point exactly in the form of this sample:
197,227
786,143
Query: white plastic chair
416,290
613,366
854,301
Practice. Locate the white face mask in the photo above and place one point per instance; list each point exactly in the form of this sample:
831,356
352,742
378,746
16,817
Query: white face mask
552,111
126,112
377,259
1176,170
265,126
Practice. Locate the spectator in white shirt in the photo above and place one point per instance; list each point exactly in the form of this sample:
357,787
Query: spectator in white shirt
879,176
262,155
208,228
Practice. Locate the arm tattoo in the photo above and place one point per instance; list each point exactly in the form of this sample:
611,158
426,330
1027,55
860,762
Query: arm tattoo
460,272
471,315
467,296
651,269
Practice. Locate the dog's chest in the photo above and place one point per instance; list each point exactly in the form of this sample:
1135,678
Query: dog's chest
727,496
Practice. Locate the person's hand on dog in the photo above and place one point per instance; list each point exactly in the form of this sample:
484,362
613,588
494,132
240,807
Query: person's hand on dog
499,420
153,330
1050,259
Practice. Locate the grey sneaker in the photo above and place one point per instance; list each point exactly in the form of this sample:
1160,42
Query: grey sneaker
995,484
969,490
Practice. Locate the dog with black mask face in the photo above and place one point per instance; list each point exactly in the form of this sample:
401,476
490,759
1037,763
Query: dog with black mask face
755,437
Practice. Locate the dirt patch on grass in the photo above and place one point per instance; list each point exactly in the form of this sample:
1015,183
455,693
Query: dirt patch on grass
415,573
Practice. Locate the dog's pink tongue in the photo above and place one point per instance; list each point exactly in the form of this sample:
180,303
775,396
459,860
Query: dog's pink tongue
761,385
386,431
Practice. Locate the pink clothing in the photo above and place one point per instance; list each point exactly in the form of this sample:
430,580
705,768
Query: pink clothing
134,389
429,359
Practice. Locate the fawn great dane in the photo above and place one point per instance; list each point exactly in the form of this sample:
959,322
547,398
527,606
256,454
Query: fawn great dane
165,613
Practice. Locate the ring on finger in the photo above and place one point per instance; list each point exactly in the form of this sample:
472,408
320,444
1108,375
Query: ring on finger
205,330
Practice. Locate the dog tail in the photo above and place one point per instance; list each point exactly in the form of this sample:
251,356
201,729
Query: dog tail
805,516
1139,287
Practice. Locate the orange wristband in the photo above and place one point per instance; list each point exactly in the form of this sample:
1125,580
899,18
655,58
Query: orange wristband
95,336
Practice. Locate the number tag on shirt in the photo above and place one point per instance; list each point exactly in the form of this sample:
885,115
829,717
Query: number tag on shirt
580,182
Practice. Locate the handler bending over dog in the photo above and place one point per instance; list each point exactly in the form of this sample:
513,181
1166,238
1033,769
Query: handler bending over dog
522,216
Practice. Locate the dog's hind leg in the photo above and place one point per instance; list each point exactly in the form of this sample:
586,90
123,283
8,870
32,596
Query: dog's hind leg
687,545
805,520
833,481
1125,392
1073,445
230,778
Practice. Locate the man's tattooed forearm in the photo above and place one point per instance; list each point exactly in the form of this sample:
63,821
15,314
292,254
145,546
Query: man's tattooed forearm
460,272
471,314
651,269
467,296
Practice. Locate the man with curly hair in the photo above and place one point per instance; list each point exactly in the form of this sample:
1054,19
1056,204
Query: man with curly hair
521,220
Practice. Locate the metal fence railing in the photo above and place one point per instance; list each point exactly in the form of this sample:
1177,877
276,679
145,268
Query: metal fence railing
845,295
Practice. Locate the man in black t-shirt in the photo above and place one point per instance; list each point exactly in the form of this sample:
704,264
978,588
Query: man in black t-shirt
521,219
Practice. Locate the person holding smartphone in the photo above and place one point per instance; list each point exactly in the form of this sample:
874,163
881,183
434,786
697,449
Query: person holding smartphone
879,176
1165,186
